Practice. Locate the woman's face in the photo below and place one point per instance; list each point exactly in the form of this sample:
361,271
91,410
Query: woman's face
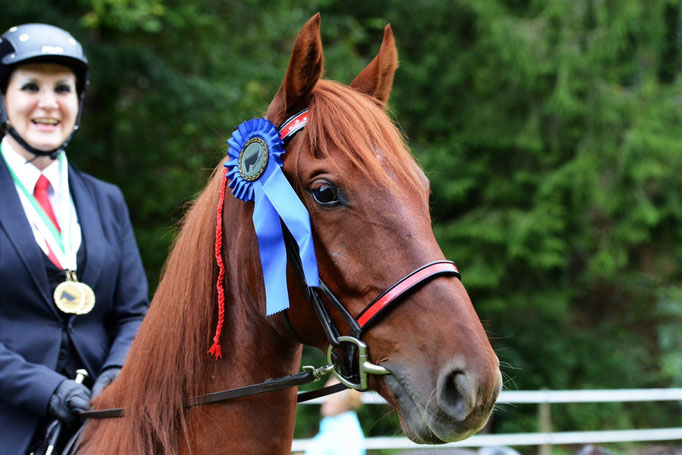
42,104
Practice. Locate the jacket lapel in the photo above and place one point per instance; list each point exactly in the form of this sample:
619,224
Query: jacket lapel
18,229
91,229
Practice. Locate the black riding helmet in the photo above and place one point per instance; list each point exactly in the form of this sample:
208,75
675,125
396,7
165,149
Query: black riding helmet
41,43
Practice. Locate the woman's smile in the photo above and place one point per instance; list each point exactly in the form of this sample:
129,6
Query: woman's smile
45,124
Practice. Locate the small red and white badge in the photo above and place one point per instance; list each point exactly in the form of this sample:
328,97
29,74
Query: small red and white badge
293,125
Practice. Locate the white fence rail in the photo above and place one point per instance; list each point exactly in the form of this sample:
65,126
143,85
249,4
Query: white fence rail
543,398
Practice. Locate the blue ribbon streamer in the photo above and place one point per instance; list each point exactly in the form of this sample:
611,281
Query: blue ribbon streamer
274,199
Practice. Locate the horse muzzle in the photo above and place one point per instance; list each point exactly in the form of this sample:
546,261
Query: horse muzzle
457,406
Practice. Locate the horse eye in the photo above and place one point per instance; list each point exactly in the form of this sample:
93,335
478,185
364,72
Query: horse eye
325,194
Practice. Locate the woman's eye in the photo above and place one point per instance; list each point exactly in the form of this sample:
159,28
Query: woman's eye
30,87
325,194
63,88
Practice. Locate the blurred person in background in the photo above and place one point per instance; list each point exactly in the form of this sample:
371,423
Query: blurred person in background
340,431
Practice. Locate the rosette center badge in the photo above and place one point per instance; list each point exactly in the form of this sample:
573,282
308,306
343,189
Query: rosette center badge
253,159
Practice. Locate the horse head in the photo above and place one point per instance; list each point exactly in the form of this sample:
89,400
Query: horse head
368,202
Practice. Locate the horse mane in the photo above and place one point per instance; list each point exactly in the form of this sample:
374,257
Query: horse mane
168,361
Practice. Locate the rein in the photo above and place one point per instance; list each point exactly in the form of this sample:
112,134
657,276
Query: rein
308,375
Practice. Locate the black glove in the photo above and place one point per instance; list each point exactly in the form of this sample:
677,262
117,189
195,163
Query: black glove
69,398
105,378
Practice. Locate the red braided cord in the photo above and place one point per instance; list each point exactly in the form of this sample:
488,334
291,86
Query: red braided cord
215,349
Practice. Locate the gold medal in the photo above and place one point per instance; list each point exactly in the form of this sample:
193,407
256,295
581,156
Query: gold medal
74,297
69,297
89,302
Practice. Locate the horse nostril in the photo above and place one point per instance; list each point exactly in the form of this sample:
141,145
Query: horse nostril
457,394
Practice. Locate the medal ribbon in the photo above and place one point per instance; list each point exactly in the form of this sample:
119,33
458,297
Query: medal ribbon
60,243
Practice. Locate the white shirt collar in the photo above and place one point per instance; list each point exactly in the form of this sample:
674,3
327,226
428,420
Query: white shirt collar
27,173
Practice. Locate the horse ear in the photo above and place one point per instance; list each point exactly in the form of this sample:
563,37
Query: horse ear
377,79
305,69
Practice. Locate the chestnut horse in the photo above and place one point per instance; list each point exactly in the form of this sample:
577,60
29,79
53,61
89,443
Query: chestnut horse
368,203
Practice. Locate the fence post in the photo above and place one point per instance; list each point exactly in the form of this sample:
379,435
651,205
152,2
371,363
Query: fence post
545,420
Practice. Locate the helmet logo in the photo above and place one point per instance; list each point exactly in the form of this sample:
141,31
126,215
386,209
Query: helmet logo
53,50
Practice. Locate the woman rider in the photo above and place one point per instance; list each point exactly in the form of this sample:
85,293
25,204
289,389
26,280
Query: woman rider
73,290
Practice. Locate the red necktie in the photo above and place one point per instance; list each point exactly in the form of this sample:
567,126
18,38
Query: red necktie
40,193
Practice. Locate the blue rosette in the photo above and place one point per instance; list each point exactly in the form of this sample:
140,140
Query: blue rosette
255,174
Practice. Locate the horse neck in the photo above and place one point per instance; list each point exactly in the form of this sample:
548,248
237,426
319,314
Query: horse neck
262,423
253,350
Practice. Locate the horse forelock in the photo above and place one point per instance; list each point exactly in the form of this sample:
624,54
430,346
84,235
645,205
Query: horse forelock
343,120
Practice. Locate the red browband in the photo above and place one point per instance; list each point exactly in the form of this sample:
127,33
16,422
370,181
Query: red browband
293,125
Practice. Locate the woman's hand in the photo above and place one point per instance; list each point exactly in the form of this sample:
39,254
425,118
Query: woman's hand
67,400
